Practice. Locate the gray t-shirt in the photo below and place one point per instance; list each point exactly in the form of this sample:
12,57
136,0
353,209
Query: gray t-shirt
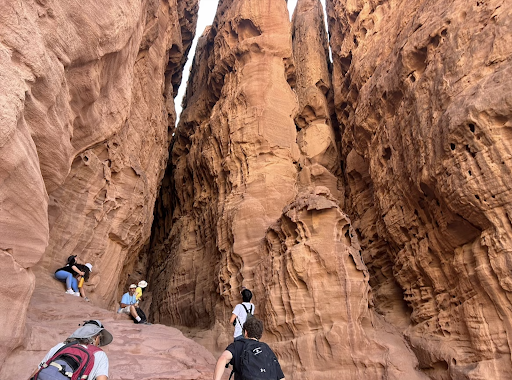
100,362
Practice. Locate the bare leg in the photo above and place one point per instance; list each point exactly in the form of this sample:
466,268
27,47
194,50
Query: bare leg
133,312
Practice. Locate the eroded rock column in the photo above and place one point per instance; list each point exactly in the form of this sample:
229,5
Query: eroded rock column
234,160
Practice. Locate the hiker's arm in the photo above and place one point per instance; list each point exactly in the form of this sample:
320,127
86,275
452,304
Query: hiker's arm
232,319
77,270
224,359
101,377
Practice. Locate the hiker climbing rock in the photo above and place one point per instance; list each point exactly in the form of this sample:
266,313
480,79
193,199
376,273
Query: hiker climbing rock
67,274
130,306
259,361
241,312
87,269
78,357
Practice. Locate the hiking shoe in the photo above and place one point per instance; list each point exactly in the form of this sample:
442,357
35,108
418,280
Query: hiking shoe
145,323
87,299
77,294
70,291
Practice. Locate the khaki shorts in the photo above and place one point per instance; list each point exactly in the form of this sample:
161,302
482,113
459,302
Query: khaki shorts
125,310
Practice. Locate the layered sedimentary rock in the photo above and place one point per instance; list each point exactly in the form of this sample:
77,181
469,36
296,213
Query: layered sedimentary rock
137,351
422,93
253,198
86,104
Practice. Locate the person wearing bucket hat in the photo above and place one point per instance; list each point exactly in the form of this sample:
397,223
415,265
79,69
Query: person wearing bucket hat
140,288
80,352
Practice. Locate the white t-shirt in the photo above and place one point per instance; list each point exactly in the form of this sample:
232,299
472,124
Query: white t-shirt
100,362
241,314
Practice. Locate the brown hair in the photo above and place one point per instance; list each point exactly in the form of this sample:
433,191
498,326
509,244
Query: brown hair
254,328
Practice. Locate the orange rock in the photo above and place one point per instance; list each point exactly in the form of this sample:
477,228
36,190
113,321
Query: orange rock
87,103
137,351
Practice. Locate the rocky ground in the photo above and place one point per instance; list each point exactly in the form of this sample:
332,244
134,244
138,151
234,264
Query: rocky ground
137,351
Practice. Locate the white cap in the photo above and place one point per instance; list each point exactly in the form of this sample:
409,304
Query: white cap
133,286
143,284
88,265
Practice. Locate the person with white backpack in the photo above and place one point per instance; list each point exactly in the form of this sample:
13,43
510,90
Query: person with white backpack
241,313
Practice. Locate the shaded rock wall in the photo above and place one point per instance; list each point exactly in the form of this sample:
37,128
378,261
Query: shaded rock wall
87,102
422,93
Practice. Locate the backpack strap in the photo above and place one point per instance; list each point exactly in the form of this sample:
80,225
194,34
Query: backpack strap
47,363
247,311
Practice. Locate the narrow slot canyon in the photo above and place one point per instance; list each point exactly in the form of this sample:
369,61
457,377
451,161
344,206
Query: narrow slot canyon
347,161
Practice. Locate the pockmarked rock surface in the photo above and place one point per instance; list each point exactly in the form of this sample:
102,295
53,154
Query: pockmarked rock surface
422,94
137,352
86,107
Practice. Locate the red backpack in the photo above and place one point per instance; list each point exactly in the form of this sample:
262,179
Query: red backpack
72,361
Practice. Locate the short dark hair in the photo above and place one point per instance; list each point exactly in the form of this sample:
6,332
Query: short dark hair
254,328
246,295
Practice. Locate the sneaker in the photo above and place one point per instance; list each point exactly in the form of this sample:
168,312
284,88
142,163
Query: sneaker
87,299
77,294
70,291
144,323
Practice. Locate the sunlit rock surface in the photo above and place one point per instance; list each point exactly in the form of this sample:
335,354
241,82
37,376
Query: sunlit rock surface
86,104
422,93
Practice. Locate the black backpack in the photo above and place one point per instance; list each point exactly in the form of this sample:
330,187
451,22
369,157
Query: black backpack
249,313
257,361
141,314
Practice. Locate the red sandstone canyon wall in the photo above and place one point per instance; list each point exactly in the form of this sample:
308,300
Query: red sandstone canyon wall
422,94
254,197
86,109
365,200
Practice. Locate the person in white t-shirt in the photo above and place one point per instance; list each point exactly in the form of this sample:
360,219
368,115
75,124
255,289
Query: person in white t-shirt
240,311
88,338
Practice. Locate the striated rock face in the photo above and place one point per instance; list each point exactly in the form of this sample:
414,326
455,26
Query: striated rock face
315,298
137,351
233,159
253,198
422,93
86,105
